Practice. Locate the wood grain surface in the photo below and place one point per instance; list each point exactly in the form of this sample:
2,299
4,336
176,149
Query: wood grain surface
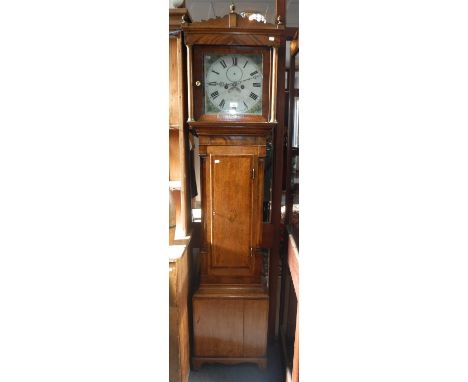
230,322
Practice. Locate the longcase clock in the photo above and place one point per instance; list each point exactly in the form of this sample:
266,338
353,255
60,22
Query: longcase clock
232,77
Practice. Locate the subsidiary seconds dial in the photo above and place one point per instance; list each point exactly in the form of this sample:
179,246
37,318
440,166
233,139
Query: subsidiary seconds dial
233,84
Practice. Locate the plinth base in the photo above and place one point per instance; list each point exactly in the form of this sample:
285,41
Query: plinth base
230,324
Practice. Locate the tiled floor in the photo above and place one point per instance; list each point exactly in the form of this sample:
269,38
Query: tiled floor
241,373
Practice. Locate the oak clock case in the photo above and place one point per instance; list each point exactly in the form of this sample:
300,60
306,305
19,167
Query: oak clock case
231,84
231,62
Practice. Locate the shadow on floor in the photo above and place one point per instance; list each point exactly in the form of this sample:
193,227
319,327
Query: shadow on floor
241,373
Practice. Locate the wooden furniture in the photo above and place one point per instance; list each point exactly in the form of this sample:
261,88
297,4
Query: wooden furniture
232,66
180,211
292,169
179,186
179,349
289,320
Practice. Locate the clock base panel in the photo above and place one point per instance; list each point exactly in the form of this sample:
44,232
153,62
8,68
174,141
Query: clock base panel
230,325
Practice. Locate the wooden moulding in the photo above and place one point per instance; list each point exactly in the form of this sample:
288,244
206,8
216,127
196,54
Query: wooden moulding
232,145
232,29
232,140
227,22
251,150
233,290
232,129
221,37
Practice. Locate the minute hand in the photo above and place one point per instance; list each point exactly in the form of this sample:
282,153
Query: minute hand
251,78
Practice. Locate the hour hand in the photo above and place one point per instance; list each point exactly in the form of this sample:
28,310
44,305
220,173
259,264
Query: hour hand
251,78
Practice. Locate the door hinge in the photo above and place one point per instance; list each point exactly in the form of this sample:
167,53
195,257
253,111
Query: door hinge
251,251
253,173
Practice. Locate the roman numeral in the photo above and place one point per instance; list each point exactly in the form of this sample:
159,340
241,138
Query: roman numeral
221,104
246,63
212,83
214,71
223,63
254,73
256,84
214,94
253,96
234,61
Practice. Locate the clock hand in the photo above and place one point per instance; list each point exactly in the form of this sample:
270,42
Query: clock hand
224,85
247,79
221,83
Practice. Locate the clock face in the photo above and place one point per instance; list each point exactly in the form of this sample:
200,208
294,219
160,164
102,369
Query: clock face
233,84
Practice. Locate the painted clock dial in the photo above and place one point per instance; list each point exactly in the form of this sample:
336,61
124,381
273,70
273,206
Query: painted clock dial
233,84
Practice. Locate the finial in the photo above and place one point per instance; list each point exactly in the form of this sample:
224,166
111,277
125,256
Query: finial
232,8
279,20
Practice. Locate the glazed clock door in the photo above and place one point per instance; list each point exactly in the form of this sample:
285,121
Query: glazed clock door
231,84
233,205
